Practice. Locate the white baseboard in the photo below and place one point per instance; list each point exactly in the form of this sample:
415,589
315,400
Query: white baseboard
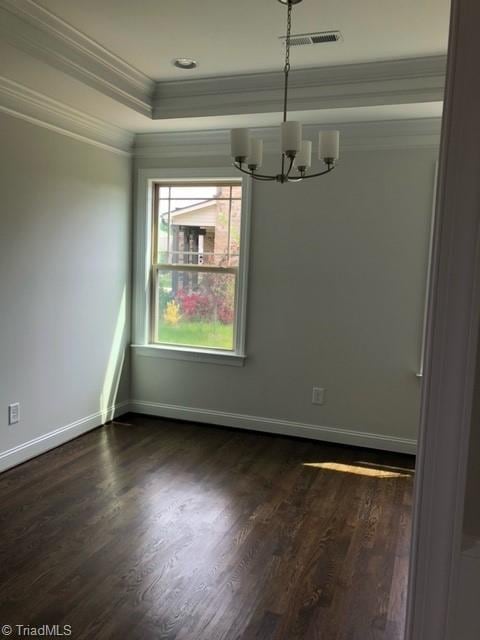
276,425
52,439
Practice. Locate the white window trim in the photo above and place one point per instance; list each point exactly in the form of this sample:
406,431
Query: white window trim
142,267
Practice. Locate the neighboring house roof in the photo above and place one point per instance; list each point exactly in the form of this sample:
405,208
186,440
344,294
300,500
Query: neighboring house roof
193,207
201,214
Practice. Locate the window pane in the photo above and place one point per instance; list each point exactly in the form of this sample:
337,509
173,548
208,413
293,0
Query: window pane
195,309
200,258
181,206
164,192
162,237
235,214
197,192
194,231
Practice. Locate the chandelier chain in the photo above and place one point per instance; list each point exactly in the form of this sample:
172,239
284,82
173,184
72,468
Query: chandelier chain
287,59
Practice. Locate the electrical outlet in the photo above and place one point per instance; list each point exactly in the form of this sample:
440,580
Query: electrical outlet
14,413
318,395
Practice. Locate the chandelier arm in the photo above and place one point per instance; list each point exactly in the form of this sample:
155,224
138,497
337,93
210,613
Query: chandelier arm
258,176
322,173
263,179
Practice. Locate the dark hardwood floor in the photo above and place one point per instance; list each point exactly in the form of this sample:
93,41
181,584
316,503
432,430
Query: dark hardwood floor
153,529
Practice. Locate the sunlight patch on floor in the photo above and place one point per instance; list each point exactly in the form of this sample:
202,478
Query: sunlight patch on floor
357,470
387,467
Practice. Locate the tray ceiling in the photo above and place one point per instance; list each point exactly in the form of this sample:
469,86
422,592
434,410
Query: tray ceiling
230,37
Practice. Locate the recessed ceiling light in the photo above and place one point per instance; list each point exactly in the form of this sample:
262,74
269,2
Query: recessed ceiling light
185,63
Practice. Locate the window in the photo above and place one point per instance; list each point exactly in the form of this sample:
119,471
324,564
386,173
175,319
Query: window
196,255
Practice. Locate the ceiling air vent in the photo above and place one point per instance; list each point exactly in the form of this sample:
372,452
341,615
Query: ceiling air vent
321,37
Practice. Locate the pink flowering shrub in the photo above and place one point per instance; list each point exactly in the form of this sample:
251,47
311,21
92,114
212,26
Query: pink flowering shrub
212,300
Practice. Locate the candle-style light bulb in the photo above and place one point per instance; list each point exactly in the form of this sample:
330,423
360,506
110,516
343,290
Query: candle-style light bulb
291,138
303,160
328,146
240,144
254,160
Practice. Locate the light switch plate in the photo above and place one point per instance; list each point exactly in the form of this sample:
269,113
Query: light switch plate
318,395
14,413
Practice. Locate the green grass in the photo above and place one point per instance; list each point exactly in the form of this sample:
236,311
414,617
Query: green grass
209,335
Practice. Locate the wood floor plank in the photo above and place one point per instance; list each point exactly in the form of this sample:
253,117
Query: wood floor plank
157,529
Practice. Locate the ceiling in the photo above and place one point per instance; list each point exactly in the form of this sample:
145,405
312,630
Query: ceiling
45,43
241,36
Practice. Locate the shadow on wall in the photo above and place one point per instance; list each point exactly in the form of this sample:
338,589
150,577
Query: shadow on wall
116,364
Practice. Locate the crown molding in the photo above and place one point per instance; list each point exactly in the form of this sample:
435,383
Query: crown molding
387,134
21,102
42,34
411,80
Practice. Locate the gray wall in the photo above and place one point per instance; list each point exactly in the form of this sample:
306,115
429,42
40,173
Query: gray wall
336,295
64,263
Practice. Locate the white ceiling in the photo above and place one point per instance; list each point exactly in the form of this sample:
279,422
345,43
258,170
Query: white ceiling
241,36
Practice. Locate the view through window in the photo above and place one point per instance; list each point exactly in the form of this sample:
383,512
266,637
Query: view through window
195,260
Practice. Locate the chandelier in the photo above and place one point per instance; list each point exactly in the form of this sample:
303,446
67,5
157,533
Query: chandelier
247,153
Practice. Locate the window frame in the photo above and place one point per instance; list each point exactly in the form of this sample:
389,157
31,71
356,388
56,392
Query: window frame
142,284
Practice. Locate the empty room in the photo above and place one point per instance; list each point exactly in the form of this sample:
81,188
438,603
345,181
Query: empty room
219,228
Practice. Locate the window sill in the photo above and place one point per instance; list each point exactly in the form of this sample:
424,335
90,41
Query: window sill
190,355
